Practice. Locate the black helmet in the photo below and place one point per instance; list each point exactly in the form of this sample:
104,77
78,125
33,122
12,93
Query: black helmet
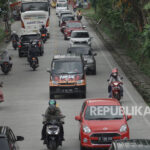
43,26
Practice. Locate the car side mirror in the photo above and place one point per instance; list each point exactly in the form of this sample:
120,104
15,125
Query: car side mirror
121,78
95,54
20,138
78,118
107,80
129,117
48,70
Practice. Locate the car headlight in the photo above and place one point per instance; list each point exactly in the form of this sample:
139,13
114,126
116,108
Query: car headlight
79,81
86,129
123,128
54,82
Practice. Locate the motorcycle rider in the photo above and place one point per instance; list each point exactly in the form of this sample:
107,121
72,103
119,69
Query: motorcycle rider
114,77
43,30
5,57
32,51
79,14
14,36
52,111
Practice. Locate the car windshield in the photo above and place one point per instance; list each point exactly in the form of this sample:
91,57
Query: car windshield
103,113
4,144
80,35
61,5
74,25
28,38
66,67
80,51
67,18
34,6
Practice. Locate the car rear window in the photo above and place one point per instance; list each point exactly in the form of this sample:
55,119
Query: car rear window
4,144
80,51
62,5
80,35
68,18
74,25
28,38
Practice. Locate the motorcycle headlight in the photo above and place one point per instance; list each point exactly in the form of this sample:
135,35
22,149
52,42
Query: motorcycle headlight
79,81
123,128
86,129
52,129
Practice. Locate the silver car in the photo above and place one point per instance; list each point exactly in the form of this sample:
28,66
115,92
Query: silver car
80,37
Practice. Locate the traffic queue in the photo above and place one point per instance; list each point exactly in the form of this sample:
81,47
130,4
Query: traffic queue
68,77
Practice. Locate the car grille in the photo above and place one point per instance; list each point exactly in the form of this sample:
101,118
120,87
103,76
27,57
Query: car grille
67,83
104,138
84,42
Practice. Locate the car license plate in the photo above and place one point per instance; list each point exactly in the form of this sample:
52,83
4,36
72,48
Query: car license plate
105,139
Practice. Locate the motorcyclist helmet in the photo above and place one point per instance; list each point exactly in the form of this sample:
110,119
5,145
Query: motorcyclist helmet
115,72
43,26
52,102
14,32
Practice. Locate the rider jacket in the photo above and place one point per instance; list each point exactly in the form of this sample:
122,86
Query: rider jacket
14,37
112,79
43,30
49,115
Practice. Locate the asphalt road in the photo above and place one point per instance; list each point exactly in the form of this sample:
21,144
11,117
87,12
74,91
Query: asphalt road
26,93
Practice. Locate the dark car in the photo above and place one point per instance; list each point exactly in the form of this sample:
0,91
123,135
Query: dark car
8,141
135,144
88,56
25,41
67,76
71,26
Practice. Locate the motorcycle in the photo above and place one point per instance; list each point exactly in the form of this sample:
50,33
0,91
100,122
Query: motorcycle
14,44
116,90
44,37
53,139
34,63
1,94
6,67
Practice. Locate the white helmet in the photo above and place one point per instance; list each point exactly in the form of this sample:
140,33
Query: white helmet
14,32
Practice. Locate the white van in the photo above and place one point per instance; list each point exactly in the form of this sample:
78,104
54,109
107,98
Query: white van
61,6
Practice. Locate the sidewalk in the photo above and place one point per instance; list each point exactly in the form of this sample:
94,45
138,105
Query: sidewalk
137,77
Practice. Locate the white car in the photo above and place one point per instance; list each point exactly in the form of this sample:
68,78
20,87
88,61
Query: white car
80,37
64,1
61,6
64,12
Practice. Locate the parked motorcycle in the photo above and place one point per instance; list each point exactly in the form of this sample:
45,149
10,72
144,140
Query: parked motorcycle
1,93
116,90
6,67
53,138
34,63
14,44
44,37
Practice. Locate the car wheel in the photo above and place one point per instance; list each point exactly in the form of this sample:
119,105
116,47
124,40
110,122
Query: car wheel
94,72
82,148
65,38
83,95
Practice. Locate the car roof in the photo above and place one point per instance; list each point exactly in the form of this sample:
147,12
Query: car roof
134,144
102,102
80,31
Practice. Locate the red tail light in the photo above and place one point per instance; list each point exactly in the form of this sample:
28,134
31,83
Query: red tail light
47,23
39,44
19,46
22,24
